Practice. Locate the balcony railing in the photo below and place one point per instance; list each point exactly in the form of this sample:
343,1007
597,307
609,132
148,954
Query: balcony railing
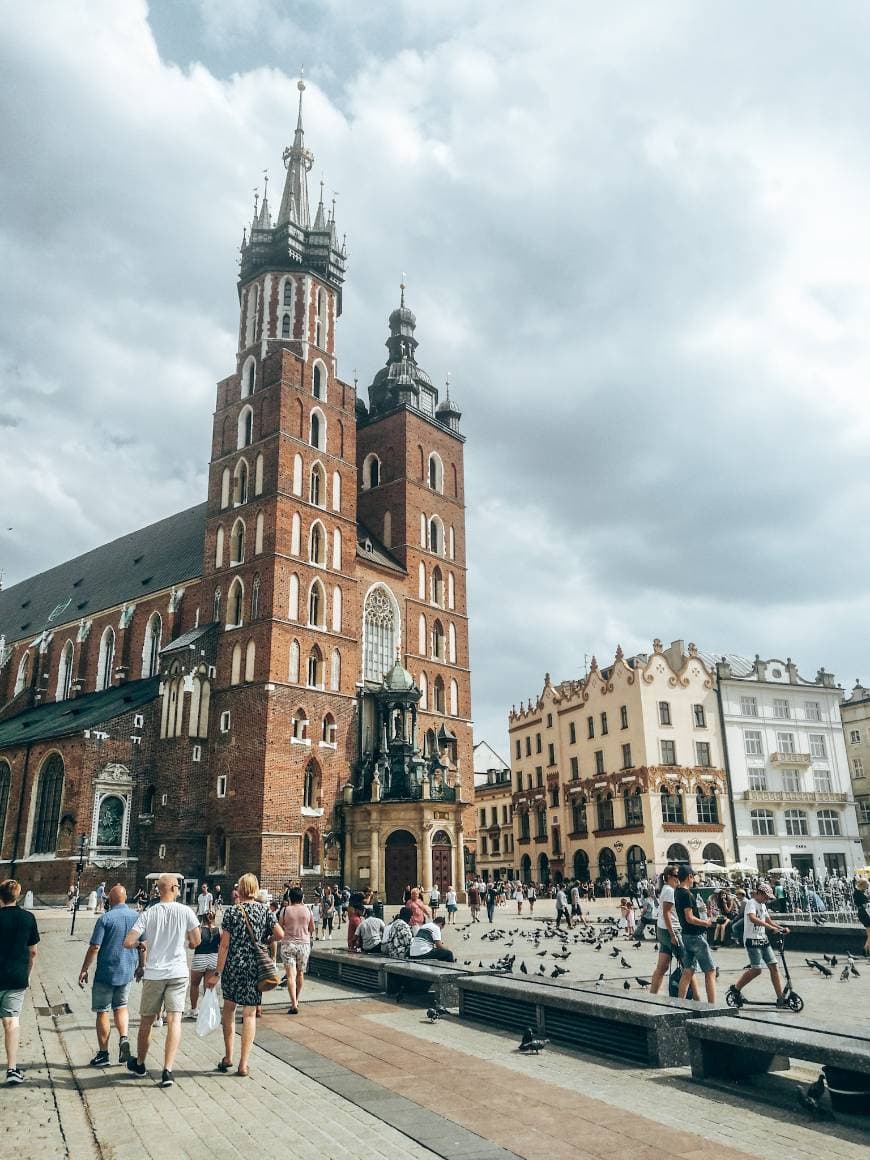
778,757
814,797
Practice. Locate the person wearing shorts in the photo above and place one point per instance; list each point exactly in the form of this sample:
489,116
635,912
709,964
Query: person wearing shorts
167,929
696,952
757,923
204,963
667,932
113,974
18,938
297,922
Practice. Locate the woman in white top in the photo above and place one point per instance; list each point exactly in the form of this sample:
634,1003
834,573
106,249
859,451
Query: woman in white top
667,932
518,899
451,905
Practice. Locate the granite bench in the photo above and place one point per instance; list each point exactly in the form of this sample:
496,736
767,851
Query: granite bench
645,1029
351,969
434,979
735,1046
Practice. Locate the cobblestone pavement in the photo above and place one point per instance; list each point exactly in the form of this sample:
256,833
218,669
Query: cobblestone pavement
362,1077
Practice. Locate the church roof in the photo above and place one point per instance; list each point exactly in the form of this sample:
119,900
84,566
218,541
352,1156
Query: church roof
135,565
369,547
61,718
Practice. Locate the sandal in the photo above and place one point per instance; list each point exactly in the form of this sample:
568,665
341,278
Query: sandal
224,1066
243,1074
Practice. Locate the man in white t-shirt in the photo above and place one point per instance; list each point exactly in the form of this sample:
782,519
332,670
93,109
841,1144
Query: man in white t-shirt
757,922
167,929
204,901
370,935
427,944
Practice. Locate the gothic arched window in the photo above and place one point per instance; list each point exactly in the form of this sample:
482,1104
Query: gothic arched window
316,606
288,292
5,781
311,786
245,430
106,661
317,486
48,800
151,651
235,604
436,472
64,678
240,483
438,695
317,544
379,626
237,543
285,326
318,381
255,598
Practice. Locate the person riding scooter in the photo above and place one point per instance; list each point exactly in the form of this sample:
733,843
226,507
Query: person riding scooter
757,924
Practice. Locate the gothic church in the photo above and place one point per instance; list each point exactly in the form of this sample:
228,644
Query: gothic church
276,680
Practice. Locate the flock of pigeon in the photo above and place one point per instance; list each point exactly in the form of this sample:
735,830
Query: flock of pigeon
849,971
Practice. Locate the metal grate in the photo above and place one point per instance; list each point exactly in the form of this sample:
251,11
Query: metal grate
511,1013
599,1035
361,977
323,969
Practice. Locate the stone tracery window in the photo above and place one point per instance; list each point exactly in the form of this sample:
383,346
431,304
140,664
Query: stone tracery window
379,618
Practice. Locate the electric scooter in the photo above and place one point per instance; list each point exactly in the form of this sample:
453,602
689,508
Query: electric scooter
737,999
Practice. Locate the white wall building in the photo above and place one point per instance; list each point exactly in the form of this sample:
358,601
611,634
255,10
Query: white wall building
788,768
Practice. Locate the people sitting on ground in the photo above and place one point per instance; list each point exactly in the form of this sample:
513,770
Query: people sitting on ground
354,918
369,935
722,910
397,936
427,944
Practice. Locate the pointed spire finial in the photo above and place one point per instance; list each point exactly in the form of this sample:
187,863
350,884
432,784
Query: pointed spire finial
402,288
447,384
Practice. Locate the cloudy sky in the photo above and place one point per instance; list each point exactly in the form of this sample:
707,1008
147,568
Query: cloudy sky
635,234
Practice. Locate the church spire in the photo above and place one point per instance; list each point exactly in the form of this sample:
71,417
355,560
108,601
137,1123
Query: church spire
298,160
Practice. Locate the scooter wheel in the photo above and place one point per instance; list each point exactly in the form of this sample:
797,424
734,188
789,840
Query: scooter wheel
733,999
795,1002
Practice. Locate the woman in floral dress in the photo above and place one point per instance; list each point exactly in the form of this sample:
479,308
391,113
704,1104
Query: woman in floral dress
237,968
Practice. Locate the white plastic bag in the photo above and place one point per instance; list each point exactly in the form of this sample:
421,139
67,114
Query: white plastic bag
208,1015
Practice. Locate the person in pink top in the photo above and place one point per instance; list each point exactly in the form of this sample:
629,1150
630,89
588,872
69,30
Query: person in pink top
296,921
419,912
355,910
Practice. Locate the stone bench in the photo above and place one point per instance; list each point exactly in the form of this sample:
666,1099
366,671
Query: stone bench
433,979
349,968
645,1029
735,1046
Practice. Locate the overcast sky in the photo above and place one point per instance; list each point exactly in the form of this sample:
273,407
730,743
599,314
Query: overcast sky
635,234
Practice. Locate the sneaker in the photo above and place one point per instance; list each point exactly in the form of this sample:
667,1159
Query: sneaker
101,1059
166,1079
14,1075
782,1001
136,1067
124,1051
158,1022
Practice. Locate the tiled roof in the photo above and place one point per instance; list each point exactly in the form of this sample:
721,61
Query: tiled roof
166,553
61,718
376,552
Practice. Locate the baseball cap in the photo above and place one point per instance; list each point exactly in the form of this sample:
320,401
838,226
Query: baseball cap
763,888
685,872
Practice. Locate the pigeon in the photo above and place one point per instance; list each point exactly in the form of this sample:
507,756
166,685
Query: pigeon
853,970
531,1044
541,969
480,964
557,971
636,944
614,954
833,960
642,983
434,1014
811,1098
597,946
623,963
541,954
599,982
523,968
626,986
844,974
655,946
826,958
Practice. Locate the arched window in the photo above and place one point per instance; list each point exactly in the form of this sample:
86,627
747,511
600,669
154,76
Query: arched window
451,591
317,486
309,851
293,602
249,372
455,480
436,536
335,671
713,853
329,730
245,429
216,606
255,599
380,625
64,679
421,635
199,707
454,698
336,609
236,667
315,668
240,483
437,586
258,534
219,548
421,585
285,325
311,784
436,472
219,849
299,725
438,695
336,549
5,782
317,606
451,550
297,474
287,293
371,472
635,863
318,381
581,865
49,795
424,691
607,864
388,529
106,661
451,643
250,660
258,475
293,667
317,435
225,488
295,535
677,853
320,319
672,807
235,604
151,649
438,641
237,543
317,544
336,492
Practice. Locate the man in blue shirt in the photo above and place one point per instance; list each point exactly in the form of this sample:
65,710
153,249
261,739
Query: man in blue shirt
114,974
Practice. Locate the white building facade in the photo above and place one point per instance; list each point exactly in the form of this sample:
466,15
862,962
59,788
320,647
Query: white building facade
789,773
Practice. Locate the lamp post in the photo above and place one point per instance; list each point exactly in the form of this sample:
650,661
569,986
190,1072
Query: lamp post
80,866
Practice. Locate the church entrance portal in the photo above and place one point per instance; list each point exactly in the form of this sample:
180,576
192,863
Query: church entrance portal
442,861
400,865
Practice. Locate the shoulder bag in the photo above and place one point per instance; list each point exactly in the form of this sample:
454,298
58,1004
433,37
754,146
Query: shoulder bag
267,972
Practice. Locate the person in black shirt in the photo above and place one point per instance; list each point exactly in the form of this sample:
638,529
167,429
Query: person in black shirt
696,952
18,938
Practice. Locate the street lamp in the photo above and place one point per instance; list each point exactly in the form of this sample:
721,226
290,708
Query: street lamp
80,866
